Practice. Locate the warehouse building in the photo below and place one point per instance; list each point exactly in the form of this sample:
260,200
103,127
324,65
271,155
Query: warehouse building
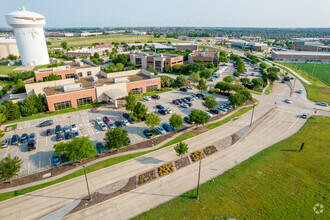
301,56
310,46
88,52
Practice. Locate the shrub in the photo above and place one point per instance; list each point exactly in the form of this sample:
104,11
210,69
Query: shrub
165,169
210,150
197,155
143,178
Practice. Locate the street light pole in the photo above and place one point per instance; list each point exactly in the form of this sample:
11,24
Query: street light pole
89,194
252,115
199,177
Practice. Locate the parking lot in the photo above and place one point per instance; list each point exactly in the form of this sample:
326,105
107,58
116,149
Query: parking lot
41,158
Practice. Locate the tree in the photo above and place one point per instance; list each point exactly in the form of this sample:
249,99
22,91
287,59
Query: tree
140,110
2,118
194,77
205,74
241,66
263,66
166,81
210,103
257,82
11,110
9,167
120,66
202,85
181,81
12,57
96,55
19,87
112,67
272,76
130,102
210,65
153,70
167,69
107,53
223,59
121,58
130,64
176,121
199,117
224,86
64,45
240,97
28,108
228,79
236,74
2,133
52,77
116,138
152,120
181,149
133,47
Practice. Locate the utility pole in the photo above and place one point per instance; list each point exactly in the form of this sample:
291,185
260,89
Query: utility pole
89,194
199,177
252,115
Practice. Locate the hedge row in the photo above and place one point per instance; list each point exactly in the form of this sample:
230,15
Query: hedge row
6,88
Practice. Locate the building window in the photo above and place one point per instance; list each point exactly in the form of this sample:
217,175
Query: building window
89,73
151,88
158,63
62,105
138,61
69,76
80,74
180,61
84,101
136,91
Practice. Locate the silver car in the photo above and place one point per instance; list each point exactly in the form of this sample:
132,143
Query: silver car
160,130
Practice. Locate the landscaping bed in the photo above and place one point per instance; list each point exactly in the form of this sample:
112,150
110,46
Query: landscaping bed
165,169
197,155
146,177
210,150
181,163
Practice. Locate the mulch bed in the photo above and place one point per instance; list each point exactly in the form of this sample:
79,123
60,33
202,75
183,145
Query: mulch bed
210,150
64,168
99,197
181,163
146,177
200,153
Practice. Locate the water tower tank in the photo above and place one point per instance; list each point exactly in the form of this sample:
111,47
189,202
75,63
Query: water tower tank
30,36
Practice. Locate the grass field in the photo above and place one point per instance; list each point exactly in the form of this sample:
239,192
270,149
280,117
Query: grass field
87,41
203,47
321,71
277,183
4,70
318,91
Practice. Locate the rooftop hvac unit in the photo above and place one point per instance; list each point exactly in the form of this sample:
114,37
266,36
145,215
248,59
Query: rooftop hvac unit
94,79
71,87
79,63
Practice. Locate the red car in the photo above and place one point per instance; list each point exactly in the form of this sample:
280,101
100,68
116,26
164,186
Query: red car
106,119
175,102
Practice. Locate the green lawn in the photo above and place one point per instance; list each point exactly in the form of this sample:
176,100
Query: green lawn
269,89
321,71
4,83
4,70
115,160
277,183
203,47
318,91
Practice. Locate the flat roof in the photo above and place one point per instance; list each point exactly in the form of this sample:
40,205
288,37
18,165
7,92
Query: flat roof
310,53
184,44
85,50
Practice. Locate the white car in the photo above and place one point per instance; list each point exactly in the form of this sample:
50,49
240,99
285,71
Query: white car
125,122
74,127
98,120
147,98
190,87
184,105
103,126
288,101
160,130
169,111
209,114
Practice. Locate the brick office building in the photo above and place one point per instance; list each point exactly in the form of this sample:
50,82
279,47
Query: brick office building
207,56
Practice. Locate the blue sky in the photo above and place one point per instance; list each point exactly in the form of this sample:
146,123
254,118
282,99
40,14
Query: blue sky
207,13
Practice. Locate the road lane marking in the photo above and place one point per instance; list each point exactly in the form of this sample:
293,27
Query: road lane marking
294,122
275,118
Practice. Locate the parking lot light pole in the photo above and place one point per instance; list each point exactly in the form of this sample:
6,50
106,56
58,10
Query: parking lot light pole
252,115
89,194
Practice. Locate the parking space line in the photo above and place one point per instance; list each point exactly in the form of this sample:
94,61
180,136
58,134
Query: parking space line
46,142
16,152
37,141
7,151
294,122
137,137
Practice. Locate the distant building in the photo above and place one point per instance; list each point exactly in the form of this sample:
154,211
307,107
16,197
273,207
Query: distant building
139,33
301,56
87,52
310,46
8,46
155,60
222,39
185,46
250,45
156,46
207,56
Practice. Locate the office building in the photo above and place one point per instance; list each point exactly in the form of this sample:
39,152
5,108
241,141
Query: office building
8,46
207,56
185,46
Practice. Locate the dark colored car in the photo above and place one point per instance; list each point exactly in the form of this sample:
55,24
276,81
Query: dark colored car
187,120
59,137
119,124
200,95
155,96
32,136
180,101
183,89
167,127
185,100
160,107
305,115
58,129
15,139
5,143
75,134
49,132
99,147
125,115
176,102
215,111
189,99
162,111
189,103
147,133
24,138
131,120
31,144
143,118
56,160
46,123
106,119
68,135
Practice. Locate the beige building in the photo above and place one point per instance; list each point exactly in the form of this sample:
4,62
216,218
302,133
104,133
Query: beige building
8,46
207,56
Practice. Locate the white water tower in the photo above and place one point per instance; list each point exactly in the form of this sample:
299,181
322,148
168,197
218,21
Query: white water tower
30,36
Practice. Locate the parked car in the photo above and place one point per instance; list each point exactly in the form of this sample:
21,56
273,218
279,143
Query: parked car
32,145
194,96
59,137
209,114
183,89
185,100
187,120
106,120
147,133
167,127
68,135
322,104
162,111
160,130
100,147
49,132
58,129
111,125
155,96
305,115
56,160
215,111
189,104
75,134
184,105
46,123
190,87
160,107
288,101
119,124
189,99
32,136
299,91
24,138
74,127
125,115
168,111
66,129
125,122
5,143
176,102
148,98
103,127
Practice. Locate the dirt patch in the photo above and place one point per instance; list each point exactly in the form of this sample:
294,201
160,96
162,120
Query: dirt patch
146,177
98,197
210,150
181,163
